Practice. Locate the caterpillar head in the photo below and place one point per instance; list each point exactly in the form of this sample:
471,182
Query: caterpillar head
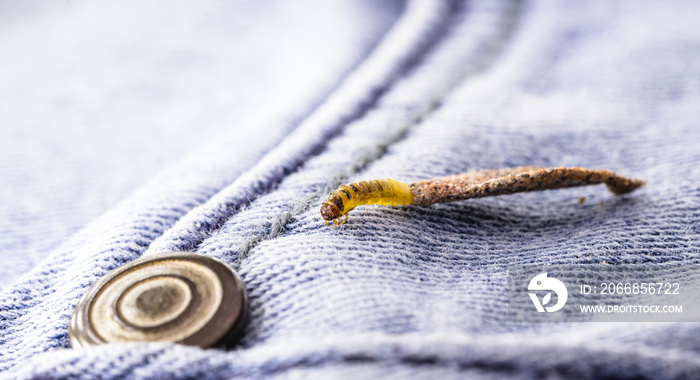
330,209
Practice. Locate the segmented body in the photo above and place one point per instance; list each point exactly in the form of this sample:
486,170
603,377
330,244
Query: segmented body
385,192
476,184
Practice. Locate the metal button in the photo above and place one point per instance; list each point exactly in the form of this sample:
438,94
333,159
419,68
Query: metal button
178,297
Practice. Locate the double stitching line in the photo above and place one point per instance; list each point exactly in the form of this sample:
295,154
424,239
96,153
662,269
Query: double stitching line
380,72
480,63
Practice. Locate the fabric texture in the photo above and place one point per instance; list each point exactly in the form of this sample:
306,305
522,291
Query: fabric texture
415,292
97,99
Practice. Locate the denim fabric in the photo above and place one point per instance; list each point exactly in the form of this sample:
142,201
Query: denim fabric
97,99
419,292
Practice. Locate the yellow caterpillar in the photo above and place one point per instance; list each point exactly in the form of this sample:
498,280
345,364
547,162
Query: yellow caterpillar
385,192
476,184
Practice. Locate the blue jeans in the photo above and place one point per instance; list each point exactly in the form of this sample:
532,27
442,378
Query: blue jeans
418,292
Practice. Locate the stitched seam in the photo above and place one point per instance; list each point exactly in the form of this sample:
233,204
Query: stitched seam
205,228
303,205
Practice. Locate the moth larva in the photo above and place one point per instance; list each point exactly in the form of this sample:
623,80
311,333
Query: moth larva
385,192
477,184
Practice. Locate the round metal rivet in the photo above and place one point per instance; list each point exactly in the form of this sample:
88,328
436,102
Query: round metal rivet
178,297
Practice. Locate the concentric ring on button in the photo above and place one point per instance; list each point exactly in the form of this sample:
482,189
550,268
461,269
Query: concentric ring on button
177,297
154,301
